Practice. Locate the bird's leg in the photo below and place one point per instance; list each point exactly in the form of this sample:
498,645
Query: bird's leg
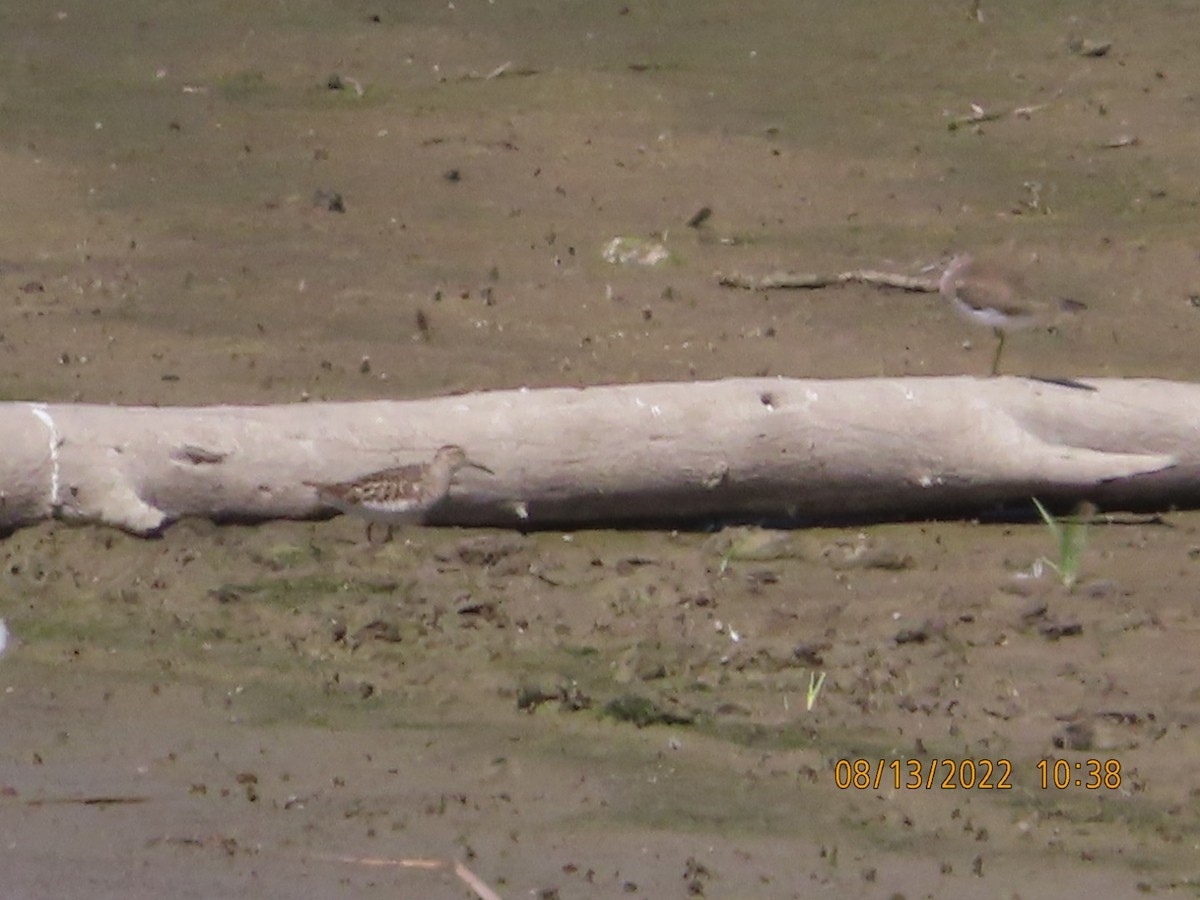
999,350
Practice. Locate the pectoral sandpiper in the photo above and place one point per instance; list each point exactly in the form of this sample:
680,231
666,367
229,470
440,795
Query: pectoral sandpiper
403,495
989,296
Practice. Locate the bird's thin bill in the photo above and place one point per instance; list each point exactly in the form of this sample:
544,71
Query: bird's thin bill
480,466
1073,307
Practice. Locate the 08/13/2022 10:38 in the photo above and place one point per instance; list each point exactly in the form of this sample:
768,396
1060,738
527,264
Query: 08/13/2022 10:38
971,774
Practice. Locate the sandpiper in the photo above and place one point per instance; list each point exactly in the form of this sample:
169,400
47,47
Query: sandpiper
990,297
399,496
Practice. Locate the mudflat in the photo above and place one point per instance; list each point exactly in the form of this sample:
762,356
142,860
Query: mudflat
276,203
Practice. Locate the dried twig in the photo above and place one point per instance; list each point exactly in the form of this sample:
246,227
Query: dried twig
498,71
808,281
505,69
979,114
473,881
1026,112
87,801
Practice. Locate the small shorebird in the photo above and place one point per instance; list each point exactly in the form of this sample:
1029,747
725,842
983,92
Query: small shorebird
990,297
399,496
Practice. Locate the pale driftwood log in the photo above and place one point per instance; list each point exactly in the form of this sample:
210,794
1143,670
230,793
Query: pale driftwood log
741,449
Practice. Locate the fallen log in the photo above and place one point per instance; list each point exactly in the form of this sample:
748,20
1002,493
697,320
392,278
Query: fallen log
739,449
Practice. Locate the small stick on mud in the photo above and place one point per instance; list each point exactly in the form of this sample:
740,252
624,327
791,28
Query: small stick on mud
498,71
473,881
1026,112
87,801
505,69
979,115
806,281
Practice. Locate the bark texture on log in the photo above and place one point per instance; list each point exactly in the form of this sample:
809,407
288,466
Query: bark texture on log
738,449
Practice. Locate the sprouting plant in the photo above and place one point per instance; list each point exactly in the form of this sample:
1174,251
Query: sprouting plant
726,557
814,689
1070,534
